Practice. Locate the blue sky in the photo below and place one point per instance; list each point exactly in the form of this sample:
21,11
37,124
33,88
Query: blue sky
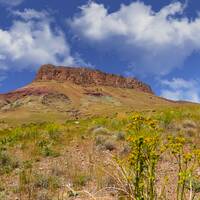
155,41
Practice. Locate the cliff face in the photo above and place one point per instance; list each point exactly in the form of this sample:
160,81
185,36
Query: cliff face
89,77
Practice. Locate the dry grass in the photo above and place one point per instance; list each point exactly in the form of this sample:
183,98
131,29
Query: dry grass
63,160
81,105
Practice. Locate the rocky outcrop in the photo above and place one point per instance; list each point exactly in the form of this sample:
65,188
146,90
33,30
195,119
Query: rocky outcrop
23,92
28,95
89,77
29,91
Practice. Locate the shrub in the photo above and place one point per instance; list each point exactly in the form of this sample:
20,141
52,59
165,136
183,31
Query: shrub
45,149
100,140
7,163
188,162
126,150
120,136
189,124
100,131
136,174
46,182
194,185
109,145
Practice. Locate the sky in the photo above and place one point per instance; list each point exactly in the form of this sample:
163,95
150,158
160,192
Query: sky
155,41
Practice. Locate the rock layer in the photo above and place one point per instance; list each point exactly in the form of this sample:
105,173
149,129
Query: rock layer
89,77
23,92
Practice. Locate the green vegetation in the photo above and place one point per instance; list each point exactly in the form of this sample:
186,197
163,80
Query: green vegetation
140,156
7,163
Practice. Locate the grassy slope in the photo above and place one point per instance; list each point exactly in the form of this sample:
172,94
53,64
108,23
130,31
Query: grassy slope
76,152
39,160
116,100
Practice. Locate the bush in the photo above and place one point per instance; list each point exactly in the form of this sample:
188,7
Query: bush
100,131
120,136
46,182
189,124
126,150
45,149
48,152
136,174
109,145
194,184
7,163
100,140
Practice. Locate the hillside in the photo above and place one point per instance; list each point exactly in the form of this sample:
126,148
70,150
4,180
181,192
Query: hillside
67,93
81,134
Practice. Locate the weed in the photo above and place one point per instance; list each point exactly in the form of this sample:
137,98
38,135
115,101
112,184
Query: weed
136,174
188,163
26,180
80,180
53,131
46,182
166,118
46,150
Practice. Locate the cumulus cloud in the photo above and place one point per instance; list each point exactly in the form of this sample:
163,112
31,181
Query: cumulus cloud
32,41
11,2
181,89
154,42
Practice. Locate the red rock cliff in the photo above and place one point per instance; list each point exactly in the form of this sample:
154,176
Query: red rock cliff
89,77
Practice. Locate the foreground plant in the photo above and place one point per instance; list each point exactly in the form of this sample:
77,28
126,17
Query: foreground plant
188,160
144,140
137,173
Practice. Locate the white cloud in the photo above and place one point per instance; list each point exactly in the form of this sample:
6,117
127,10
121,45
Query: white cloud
28,14
155,42
30,43
180,89
11,2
